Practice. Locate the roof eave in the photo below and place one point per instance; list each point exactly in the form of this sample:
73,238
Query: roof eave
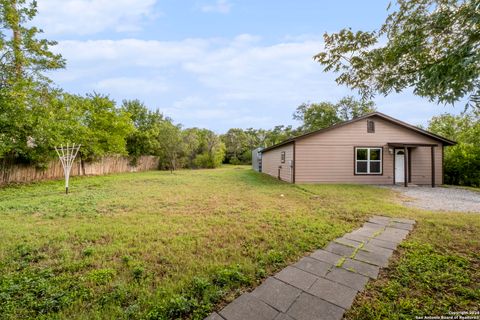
445,141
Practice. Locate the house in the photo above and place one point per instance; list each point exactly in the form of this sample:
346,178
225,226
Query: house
370,149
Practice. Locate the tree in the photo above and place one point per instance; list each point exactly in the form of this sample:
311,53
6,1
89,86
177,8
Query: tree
236,144
431,45
171,146
93,121
23,57
279,134
349,108
211,150
315,116
26,130
192,145
462,161
143,140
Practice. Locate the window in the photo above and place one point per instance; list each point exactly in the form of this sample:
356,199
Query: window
368,160
283,156
370,126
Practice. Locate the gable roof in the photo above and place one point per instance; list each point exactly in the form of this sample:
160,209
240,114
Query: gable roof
368,115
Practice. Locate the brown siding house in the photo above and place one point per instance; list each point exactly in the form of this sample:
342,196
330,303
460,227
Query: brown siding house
371,149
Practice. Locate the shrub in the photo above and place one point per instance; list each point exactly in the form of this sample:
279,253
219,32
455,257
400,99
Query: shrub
209,160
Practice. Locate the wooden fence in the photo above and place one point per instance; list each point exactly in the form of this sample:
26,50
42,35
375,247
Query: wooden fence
19,173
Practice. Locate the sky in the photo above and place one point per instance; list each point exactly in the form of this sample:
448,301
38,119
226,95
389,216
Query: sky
216,64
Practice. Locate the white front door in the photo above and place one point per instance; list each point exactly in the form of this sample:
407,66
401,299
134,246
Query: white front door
399,166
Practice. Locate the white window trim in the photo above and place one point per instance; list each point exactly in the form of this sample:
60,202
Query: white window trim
368,161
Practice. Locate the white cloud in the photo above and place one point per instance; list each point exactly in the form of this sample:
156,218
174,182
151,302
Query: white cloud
237,81
131,86
132,52
83,17
236,69
220,6
189,102
230,82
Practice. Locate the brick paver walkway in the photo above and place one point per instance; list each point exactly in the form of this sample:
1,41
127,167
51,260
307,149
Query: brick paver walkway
323,285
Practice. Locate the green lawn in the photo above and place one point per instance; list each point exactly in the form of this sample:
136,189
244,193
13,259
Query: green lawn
156,245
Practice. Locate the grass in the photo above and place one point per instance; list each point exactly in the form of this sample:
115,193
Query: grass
156,245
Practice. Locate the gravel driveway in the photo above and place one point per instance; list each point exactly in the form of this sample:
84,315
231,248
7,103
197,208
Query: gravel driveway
440,199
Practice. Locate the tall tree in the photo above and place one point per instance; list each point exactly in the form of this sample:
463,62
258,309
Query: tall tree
93,121
462,161
349,108
279,134
171,146
236,143
316,116
211,150
430,45
25,93
22,55
192,144
143,140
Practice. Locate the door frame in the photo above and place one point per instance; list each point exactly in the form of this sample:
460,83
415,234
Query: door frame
407,163
394,164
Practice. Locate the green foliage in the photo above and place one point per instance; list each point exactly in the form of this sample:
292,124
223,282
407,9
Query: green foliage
431,45
462,161
240,143
23,58
144,139
25,91
316,116
93,121
205,146
170,146
279,134
34,117
321,115
235,141
27,123
176,147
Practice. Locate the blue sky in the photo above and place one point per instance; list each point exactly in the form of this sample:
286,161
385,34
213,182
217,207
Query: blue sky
213,63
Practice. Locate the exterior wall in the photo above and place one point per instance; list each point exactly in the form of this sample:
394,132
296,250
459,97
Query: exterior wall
422,165
271,161
329,157
257,159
